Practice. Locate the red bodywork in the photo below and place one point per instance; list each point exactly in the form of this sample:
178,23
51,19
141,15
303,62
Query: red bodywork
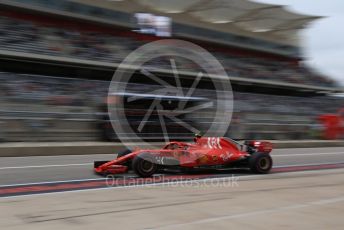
205,151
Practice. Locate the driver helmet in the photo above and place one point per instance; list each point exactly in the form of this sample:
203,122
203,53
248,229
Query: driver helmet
197,136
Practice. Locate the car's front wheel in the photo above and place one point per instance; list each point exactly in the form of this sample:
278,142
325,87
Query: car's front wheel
260,163
144,165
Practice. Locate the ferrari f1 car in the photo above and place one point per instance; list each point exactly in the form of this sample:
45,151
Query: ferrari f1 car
204,153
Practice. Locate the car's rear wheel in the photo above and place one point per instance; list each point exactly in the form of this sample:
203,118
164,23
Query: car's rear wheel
260,163
144,165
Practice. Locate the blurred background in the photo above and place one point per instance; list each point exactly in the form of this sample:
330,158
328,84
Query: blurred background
58,57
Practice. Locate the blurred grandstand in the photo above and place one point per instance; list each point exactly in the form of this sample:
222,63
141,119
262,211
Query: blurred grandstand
57,58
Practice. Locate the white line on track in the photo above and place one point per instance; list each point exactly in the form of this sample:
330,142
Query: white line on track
306,154
247,177
136,186
44,166
100,179
52,182
84,164
311,164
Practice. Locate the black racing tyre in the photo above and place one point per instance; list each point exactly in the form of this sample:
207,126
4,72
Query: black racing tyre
144,165
123,153
260,163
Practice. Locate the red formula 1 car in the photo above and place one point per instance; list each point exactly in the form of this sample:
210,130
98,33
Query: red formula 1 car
204,153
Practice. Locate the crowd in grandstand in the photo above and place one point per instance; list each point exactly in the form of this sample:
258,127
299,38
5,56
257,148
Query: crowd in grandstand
27,36
59,105
51,91
91,93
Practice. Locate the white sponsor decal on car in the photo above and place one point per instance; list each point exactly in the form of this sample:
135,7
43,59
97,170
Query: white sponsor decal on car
214,143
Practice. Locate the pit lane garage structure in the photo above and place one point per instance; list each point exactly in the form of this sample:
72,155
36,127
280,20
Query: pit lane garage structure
242,27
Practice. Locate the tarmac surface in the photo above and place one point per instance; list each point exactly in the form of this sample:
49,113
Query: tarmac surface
293,200
37,169
304,191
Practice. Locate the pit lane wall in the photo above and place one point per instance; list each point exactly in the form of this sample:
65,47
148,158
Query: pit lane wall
84,148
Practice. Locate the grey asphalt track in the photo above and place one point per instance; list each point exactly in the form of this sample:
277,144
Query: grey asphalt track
295,200
22,170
